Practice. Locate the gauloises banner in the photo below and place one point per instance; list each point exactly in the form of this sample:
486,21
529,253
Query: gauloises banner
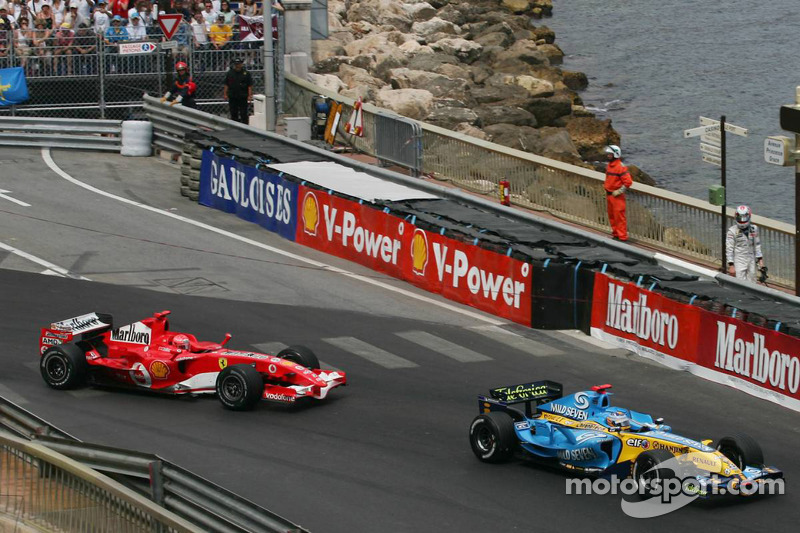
261,197
756,360
462,272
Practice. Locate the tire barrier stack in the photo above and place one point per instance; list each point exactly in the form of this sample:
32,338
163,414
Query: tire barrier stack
190,170
530,272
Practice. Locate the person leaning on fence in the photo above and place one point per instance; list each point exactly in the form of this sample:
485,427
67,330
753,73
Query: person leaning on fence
238,90
23,41
220,34
63,47
135,28
183,89
85,50
41,41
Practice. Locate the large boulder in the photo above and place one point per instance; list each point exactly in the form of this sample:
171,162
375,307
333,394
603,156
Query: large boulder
553,53
370,44
355,76
495,38
439,86
323,49
498,114
430,62
468,129
330,65
411,103
591,136
466,51
434,25
507,94
544,33
449,117
517,6
453,71
520,54
421,11
549,110
577,81
536,87
380,13
327,81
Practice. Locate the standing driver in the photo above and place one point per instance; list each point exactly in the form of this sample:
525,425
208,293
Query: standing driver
238,90
743,247
618,180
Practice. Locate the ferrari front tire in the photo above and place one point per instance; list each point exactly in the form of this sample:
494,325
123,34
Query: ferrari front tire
301,355
492,437
239,387
64,367
742,449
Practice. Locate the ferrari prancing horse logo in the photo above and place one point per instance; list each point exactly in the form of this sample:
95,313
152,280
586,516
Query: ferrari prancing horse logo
222,363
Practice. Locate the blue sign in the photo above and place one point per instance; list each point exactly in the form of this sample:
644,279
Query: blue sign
254,195
13,88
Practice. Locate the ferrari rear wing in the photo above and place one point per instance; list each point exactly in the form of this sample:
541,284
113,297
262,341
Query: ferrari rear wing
64,331
537,392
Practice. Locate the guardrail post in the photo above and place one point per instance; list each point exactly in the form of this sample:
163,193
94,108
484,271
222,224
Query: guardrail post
156,481
101,59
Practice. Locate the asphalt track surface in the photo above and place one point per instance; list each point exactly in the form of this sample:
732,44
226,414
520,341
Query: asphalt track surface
387,453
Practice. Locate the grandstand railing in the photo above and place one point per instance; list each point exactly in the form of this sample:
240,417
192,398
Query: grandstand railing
667,221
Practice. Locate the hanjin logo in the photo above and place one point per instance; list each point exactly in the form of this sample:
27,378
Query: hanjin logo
419,252
310,214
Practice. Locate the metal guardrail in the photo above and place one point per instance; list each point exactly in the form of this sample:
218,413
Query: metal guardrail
43,488
398,140
204,505
76,133
668,221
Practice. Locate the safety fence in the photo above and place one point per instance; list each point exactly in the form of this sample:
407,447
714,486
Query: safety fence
56,481
84,77
103,135
667,221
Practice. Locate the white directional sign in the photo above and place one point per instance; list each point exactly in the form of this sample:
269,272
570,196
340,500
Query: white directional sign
779,151
714,138
711,149
4,195
730,128
712,159
702,130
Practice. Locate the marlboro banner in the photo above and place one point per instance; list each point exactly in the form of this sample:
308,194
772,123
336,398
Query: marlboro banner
722,349
252,28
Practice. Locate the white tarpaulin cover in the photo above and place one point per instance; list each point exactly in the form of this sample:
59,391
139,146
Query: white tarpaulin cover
345,180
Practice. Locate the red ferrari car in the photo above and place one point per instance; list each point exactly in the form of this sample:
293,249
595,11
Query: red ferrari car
147,355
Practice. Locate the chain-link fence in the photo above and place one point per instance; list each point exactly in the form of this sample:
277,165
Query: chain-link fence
78,75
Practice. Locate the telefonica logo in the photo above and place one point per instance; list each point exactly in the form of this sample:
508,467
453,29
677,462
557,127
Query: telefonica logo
419,252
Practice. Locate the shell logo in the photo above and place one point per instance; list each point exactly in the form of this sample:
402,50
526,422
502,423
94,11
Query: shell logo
159,369
419,252
310,214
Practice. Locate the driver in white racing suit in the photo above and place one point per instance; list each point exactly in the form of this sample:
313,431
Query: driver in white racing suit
743,246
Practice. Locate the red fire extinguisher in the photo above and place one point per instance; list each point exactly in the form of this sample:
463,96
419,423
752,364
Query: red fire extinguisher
505,197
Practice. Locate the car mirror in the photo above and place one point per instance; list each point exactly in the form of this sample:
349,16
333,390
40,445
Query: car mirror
226,339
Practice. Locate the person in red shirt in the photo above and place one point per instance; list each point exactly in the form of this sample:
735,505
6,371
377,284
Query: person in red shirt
618,180
120,7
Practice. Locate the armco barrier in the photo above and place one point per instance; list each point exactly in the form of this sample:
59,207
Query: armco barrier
756,360
198,502
82,134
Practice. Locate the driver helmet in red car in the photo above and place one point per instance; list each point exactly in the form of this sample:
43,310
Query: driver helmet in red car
181,341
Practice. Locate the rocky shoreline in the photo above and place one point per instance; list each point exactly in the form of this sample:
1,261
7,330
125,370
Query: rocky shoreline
486,68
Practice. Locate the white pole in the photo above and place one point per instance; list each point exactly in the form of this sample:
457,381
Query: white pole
269,74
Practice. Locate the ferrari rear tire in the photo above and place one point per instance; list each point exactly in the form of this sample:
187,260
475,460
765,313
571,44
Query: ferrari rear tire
492,437
301,355
64,367
742,450
239,387
648,468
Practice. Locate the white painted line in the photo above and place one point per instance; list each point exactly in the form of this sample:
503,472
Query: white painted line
518,342
443,346
271,348
370,353
12,396
680,263
4,195
54,269
578,338
55,168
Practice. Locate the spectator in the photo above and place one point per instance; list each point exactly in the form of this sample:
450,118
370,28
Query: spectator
136,30
220,34
72,16
85,50
238,90
230,15
249,8
63,47
85,8
41,39
183,89
24,41
20,11
101,19
200,34
116,32
209,14
46,14
119,8
35,6
277,5
59,10
6,24
148,17
186,10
